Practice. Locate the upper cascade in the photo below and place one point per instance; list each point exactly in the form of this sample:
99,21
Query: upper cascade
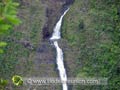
56,31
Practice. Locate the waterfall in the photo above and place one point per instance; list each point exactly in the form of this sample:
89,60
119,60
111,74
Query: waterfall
59,58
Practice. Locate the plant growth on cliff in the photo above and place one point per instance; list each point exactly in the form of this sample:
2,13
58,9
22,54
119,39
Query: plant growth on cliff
8,19
98,41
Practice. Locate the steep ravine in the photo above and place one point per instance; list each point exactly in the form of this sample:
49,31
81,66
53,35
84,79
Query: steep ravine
87,42
39,18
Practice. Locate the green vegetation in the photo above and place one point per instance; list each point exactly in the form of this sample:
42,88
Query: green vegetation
8,18
92,29
17,54
22,55
3,84
2,44
17,80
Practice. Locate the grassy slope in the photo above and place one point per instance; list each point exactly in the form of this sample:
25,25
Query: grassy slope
87,30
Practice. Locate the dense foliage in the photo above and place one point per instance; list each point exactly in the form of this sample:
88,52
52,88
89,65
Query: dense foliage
91,29
8,19
98,40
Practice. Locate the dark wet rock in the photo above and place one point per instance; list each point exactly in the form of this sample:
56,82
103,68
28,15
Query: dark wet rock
81,25
45,59
69,2
118,12
23,2
48,12
46,33
27,45
118,70
66,5
42,48
54,10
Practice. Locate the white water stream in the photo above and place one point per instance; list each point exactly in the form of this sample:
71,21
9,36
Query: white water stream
59,59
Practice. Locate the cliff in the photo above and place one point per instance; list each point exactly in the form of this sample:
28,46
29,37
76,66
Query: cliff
90,42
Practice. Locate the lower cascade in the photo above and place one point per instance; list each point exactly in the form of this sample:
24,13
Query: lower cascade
59,58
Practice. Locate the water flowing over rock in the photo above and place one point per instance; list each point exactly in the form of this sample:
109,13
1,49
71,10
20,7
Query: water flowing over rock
59,58
54,9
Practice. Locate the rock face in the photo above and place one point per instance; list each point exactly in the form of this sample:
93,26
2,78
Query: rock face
54,9
38,20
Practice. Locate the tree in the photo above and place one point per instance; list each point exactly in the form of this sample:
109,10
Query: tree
8,18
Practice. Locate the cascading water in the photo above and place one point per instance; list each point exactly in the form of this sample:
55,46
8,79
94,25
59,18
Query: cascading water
60,64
